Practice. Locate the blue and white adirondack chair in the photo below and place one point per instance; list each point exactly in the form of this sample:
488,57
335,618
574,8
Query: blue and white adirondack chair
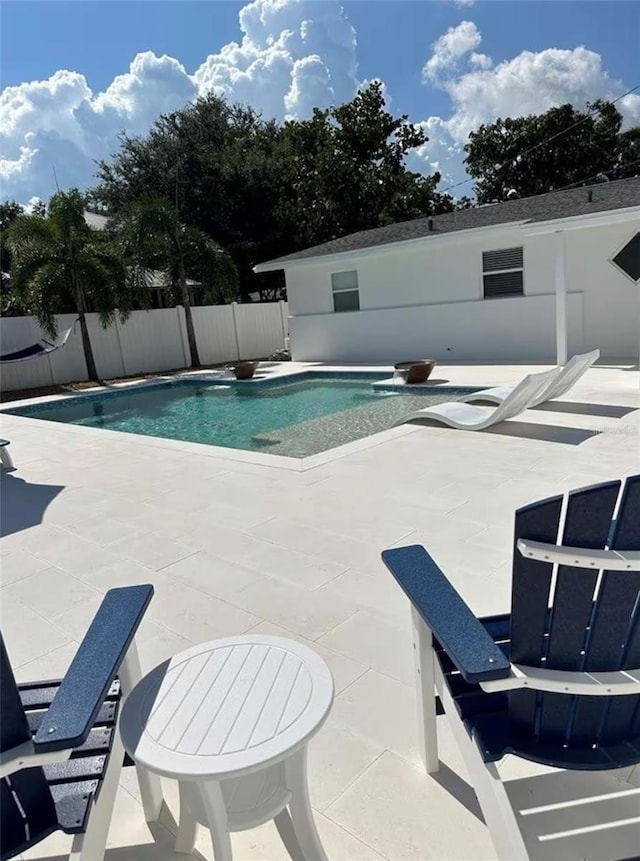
556,682
61,751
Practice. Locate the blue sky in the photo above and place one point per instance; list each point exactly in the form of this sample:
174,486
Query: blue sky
495,61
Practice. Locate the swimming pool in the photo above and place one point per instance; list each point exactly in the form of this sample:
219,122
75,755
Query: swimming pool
295,416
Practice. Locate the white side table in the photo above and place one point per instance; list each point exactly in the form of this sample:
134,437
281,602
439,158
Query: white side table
230,720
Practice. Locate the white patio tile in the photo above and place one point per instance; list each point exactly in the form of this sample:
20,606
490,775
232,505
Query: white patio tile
75,555
294,608
52,665
51,592
196,616
373,590
217,577
104,530
153,550
343,669
337,757
298,568
27,635
124,572
408,815
376,641
382,711
17,564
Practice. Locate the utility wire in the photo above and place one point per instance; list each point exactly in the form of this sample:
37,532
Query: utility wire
588,115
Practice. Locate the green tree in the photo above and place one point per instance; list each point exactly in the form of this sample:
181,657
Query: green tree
262,189
345,170
153,238
560,147
57,258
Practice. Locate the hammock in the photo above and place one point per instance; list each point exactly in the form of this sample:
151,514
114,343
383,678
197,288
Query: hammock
40,348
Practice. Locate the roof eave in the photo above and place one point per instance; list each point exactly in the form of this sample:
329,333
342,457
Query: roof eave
449,236
576,222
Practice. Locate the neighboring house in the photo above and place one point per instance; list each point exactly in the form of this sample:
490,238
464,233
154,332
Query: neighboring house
535,278
158,281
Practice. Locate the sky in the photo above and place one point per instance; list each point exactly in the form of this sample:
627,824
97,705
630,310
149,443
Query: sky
75,74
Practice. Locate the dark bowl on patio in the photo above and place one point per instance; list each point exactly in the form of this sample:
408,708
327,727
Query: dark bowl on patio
245,370
417,371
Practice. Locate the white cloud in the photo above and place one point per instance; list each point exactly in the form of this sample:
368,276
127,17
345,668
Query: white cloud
449,49
293,55
464,2
529,83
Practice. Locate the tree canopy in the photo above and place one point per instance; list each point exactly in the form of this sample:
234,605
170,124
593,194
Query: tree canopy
261,189
543,152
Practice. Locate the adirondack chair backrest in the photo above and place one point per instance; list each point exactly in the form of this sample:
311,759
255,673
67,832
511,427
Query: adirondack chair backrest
26,804
577,619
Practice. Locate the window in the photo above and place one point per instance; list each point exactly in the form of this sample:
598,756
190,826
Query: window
628,258
502,272
344,286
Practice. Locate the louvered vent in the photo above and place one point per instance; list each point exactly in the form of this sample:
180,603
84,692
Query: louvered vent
505,258
502,273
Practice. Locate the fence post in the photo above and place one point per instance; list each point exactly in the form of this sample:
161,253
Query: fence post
284,319
235,329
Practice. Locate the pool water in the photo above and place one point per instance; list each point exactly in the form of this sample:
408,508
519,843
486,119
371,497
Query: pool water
295,417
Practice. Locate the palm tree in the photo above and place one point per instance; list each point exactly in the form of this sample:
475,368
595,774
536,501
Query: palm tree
59,260
154,239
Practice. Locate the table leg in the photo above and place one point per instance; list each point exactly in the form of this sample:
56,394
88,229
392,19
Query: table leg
216,812
300,807
288,835
187,825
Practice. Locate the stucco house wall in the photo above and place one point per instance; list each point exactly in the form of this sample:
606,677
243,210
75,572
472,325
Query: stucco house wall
424,298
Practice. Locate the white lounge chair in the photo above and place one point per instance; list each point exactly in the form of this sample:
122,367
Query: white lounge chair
566,376
471,417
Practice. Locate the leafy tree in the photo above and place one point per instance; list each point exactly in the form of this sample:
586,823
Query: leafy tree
262,189
39,207
9,212
560,147
57,258
153,238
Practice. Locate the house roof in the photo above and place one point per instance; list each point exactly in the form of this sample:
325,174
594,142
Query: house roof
554,205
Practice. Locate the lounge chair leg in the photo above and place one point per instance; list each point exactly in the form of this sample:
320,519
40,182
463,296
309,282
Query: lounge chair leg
150,784
426,693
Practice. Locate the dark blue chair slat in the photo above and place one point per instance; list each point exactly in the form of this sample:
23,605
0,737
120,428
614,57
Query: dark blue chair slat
81,768
84,688
32,818
453,624
35,803
626,535
532,581
39,695
106,715
530,600
73,804
587,524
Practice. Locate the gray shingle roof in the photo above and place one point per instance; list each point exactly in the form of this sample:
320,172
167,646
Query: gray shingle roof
543,207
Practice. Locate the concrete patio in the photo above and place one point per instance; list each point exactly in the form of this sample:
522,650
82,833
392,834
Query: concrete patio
233,546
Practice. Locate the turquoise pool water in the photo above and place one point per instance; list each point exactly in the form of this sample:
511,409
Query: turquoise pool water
295,417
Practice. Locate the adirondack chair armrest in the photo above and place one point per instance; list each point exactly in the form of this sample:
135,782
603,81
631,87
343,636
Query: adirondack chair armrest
461,634
96,663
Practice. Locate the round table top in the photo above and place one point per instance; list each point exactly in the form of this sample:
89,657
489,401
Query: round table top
227,707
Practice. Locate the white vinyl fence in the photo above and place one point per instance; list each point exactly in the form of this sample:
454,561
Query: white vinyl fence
148,341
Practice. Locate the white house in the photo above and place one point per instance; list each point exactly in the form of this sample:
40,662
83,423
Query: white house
536,278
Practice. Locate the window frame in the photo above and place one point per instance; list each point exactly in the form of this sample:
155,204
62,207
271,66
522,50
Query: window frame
484,272
336,290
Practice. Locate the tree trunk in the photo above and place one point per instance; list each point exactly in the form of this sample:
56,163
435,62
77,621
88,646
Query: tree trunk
92,371
188,319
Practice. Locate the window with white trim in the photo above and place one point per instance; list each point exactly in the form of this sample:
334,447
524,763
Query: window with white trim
344,287
502,273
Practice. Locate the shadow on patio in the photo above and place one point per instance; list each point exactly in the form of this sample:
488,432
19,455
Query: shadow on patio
544,433
610,411
24,503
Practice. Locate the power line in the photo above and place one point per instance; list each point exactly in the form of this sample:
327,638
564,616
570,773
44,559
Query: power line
588,115
595,176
